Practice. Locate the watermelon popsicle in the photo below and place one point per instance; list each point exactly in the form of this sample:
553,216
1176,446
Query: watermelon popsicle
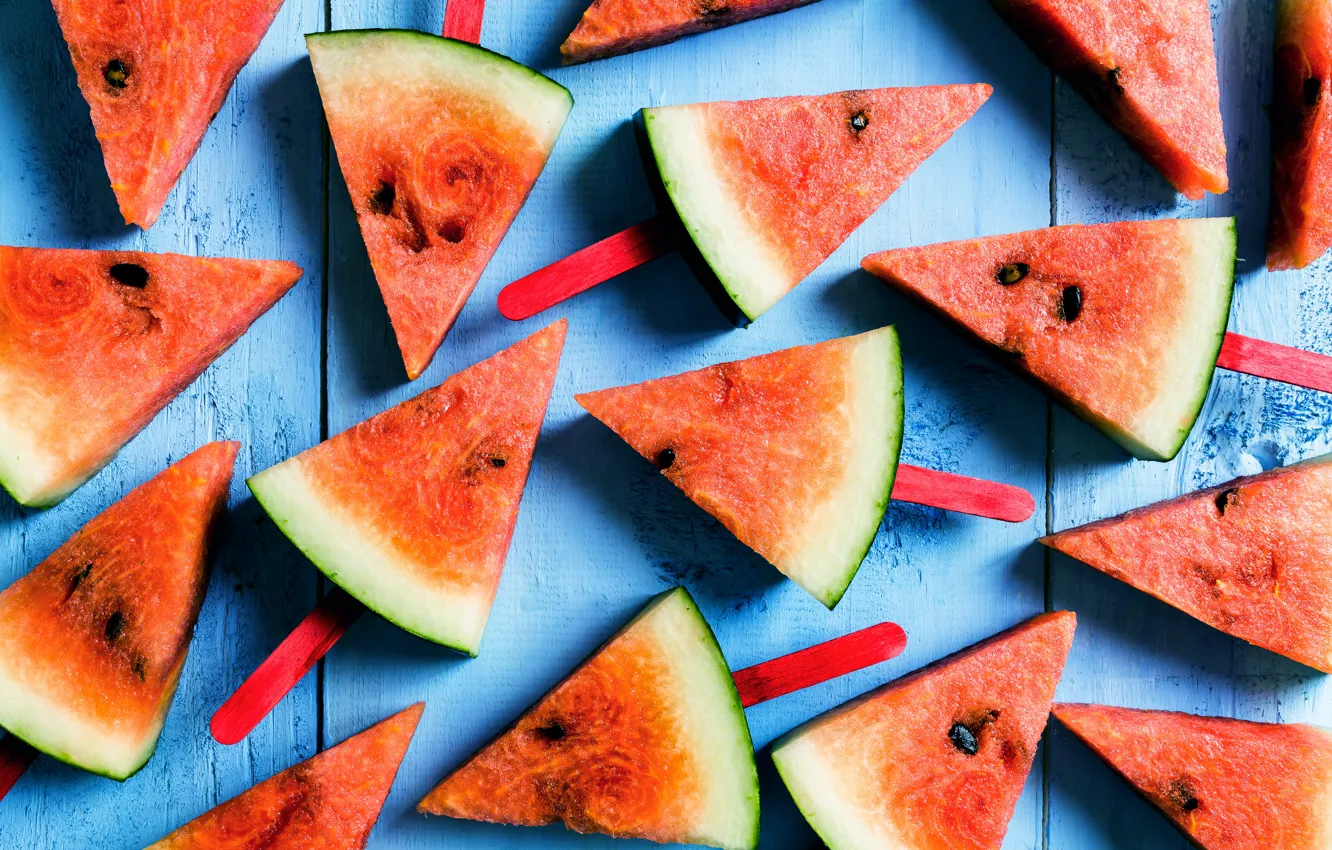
757,194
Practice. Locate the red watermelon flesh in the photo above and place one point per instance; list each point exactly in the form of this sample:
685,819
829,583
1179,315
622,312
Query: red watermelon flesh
612,27
1121,321
329,802
154,75
412,510
440,143
1148,67
93,344
1301,223
93,639
937,759
646,739
1227,784
1252,557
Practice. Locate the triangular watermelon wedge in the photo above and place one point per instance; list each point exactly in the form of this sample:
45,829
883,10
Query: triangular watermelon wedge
440,142
1122,322
646,739
612,27
1226,784
768,189
794,452
93,639
154,77
937,759
93,344
1252,557
329,802
1301,223
412,510
1148,67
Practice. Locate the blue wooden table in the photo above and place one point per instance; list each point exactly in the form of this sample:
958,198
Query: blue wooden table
599,531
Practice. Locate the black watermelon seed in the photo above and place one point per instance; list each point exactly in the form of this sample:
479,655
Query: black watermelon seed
115,626
130,274
964,739
381,201
553,731
1070,303
453,231
1313,90
79,577
1011,273
1226,498
1116,79
666,458
497,462
859,121
116,74
140,668
1182,795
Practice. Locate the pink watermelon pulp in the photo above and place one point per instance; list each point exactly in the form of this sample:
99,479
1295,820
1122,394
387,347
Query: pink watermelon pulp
937,759
93,344
92,641
1148,67
1301,224
440,143
794,452
412,510
154,77
329,802
1226,784
768,189
646,739
1122,322
612,27
1250,557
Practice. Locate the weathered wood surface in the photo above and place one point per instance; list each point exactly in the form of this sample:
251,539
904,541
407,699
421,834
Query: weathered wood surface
600,532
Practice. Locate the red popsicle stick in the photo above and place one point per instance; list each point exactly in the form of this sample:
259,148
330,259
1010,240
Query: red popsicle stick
288,664
809,667
974,496
1277,362
462,20
15,756
582,270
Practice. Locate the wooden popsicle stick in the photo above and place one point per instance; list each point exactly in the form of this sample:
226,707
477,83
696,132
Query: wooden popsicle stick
15,757
1277,362
463,18
819,663
974,496
286,666
582,270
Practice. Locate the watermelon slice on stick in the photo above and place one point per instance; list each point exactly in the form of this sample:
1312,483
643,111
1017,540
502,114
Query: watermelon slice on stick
440,142
756,194
935,760
1251,557
74,324
795,452
614,27
93,639
1124,322
1149,69
646,739
330,802
1226,784
154,78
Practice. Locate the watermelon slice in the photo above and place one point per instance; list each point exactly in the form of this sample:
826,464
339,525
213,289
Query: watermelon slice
768,189
92,641
612,27
440,143
154,77
1122,322
935,760
329,802
794,452
1249,557
1148,67
411,511
646,739
94,343
1301,226
1227,784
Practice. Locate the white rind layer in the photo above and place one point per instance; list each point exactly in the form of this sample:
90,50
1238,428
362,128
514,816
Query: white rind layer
28,470
753,273
827,795
368,568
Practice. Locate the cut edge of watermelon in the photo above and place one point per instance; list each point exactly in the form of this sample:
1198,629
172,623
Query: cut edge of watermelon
26,472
